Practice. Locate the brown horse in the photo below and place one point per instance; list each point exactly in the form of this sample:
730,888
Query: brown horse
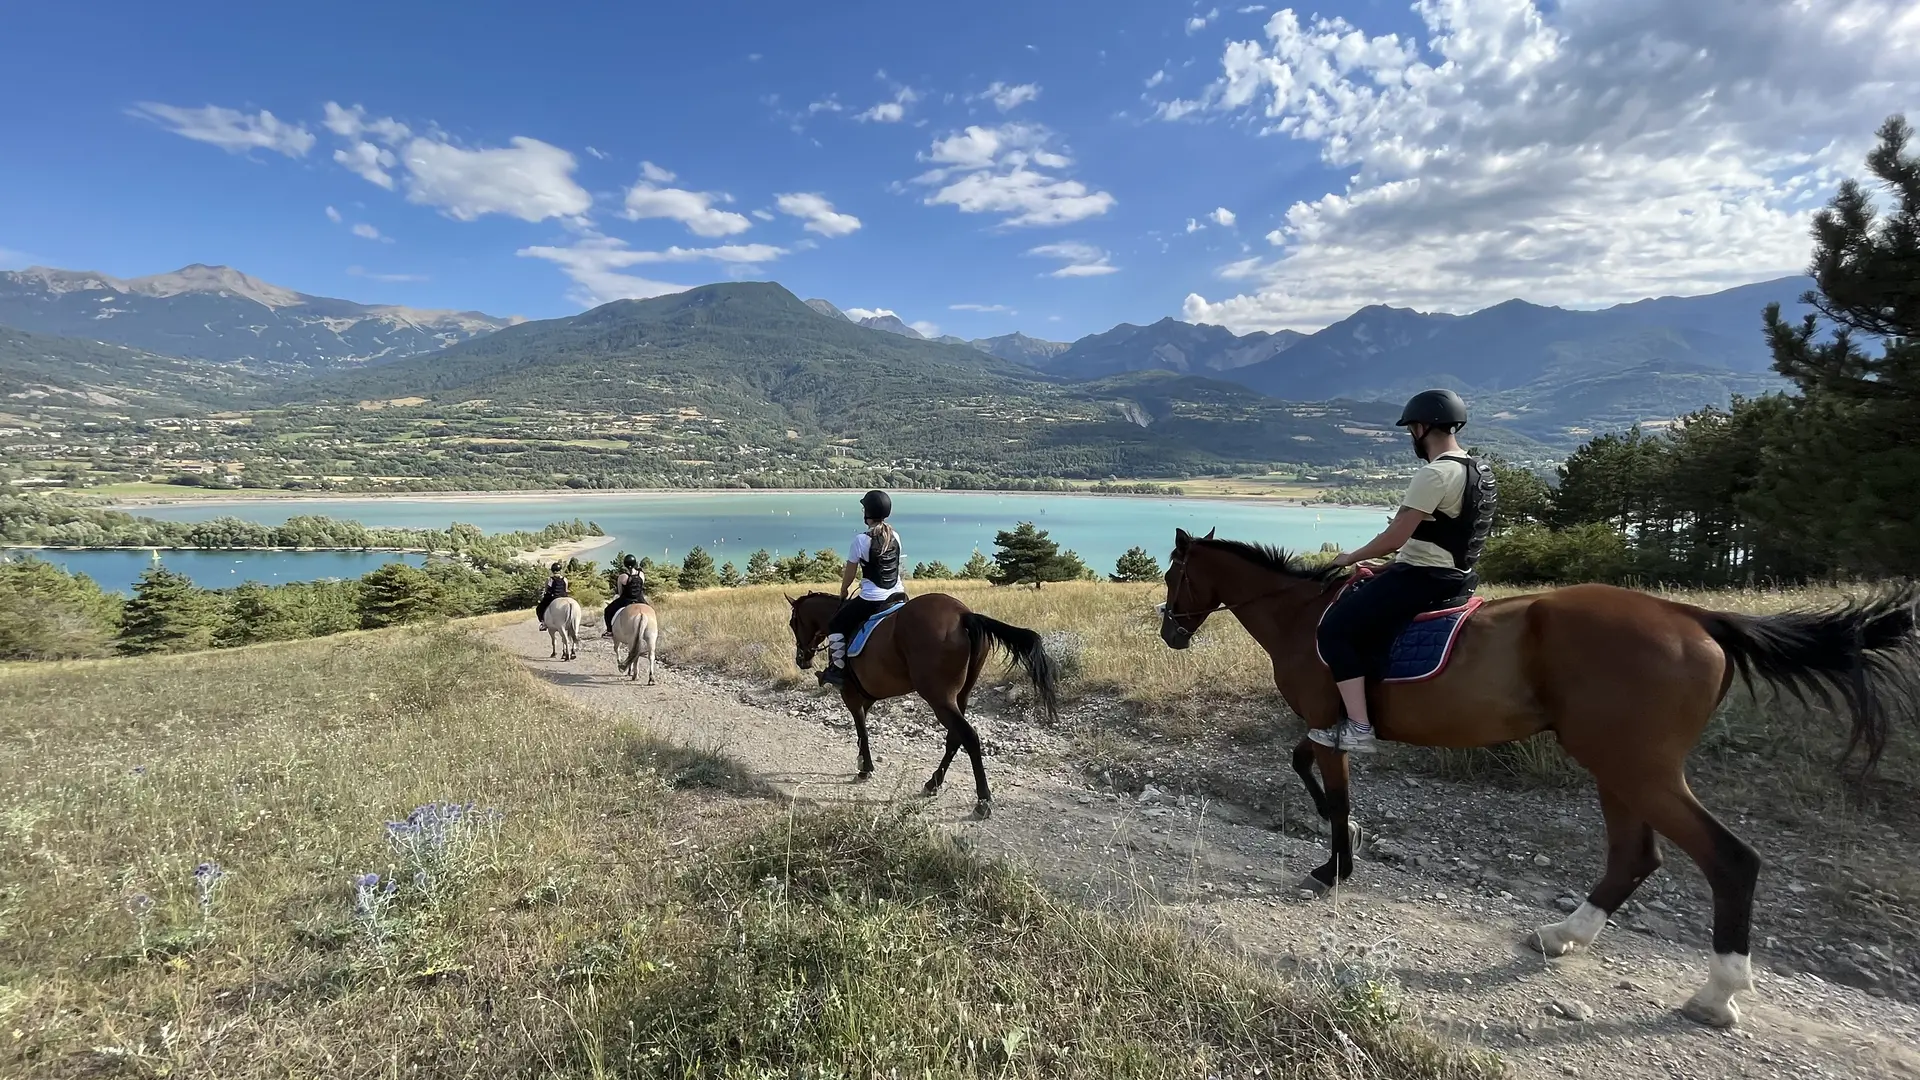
1625,680
934,647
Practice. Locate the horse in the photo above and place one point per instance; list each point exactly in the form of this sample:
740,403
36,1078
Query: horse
633,626
1625,680
562,624
935,647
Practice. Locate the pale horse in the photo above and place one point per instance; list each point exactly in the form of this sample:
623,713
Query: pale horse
562,625
633,626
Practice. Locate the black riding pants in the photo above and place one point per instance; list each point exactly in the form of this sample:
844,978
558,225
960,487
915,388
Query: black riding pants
606,617
1361,625
847,621
540,609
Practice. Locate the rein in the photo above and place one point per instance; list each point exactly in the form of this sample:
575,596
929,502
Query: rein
1168,616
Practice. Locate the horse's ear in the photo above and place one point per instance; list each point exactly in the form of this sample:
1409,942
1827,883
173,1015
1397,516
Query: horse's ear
1180,538
1210,533
791,602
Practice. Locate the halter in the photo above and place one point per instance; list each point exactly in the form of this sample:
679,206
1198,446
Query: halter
1167,616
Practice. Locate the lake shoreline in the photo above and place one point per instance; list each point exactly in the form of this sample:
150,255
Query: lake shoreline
236,499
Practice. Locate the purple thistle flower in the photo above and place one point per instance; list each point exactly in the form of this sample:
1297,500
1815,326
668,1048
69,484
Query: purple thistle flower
367,881
208,872
139,905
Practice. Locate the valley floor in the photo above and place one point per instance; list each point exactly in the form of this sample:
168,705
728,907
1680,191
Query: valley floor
1114,813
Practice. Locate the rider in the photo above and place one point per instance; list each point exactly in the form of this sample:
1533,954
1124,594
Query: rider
556,588
629,588
874,561
1436,538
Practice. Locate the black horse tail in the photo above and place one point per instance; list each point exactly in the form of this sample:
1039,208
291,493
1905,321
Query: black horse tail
1863,652
1023,647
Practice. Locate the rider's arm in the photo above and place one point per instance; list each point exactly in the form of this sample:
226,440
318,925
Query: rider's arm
1389,541
849,574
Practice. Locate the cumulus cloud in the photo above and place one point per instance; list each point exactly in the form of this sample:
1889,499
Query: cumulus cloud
1007,98
527,179
1156,78
1081,260
694,209
890,112
925,328
1222,216
229,129
655,174
369,162
597,154
333,215
1193,226
1199,22
985,309
368,232
818,213
858,313
1581,152
594,262
1008,170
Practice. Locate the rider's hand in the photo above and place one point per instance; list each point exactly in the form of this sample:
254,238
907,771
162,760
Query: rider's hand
1342,559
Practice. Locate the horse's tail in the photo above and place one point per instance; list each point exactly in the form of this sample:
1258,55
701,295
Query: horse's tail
1865,652
1024,647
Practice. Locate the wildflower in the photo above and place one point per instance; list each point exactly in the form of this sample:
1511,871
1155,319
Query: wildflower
139,905
366,881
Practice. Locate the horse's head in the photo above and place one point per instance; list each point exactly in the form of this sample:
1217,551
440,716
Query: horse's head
808,621
1205,575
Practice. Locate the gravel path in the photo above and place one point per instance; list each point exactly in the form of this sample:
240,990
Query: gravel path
1448,923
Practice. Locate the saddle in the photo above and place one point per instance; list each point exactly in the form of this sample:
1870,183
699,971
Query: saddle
860,639
1421,649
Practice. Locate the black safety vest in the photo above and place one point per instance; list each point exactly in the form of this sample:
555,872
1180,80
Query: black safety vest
1465,535
635,590
882,567
556,587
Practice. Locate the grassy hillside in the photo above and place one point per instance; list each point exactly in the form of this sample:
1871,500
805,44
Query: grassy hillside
91,376
186,851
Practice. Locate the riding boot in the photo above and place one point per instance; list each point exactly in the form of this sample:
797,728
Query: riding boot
836,670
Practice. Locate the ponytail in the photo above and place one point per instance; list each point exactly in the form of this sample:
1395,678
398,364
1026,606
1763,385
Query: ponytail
883,538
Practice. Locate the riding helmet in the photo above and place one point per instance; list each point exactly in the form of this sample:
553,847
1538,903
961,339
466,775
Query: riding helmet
631,562
1440,408
877,504
557,567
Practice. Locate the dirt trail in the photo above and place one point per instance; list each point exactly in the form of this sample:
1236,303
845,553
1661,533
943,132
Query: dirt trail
1456,949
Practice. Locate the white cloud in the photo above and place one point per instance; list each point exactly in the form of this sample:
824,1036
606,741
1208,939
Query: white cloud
694,209
1580,152
889,112
1193,226
597,154
1002,170
370,162
988,309
1007,98
830,103
594,263
1222,216
368,232
925,328
362,272
727,253
353,124
818,213
529,180
333,215
1156,78
858,313
1251,9
1199,22
1082,260
229,129
763,215
655,174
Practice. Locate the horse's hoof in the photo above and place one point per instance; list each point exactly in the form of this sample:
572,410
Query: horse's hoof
861,777
982,809
1711,1013
1552,940
1312,888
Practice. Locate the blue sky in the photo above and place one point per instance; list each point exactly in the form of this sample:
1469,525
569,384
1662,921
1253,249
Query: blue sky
1063,165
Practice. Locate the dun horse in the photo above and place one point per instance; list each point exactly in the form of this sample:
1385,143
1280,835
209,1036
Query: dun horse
562,623
1625,680
634,626
934,647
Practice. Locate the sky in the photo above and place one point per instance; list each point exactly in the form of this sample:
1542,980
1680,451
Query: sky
1052,167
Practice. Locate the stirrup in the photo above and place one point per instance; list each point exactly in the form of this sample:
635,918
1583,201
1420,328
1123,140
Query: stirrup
834,675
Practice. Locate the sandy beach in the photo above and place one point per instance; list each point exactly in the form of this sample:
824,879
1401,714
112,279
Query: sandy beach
563,551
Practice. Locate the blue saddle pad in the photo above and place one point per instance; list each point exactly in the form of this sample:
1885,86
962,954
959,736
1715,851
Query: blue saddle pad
860,639
1422,649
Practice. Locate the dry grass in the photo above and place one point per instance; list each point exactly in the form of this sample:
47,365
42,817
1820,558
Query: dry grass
634,910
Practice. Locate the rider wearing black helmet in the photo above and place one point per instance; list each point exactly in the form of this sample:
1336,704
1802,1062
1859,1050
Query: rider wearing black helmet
556,588
1435,539
873,560
629,588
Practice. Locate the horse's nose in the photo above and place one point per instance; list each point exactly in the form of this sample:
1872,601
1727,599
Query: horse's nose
804,660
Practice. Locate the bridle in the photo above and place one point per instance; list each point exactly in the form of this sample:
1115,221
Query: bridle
1181,633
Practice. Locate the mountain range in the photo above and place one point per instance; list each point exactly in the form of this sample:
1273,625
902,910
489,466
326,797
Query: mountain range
1547,375
218,313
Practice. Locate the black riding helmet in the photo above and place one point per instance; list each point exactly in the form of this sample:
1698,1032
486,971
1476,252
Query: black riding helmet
557,567
1436,408
878,505
631,563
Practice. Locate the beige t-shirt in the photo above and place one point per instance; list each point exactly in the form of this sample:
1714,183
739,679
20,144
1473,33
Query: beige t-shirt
1438,488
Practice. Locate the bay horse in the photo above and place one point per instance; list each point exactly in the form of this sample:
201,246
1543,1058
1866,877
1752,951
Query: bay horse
633,626
935,647
562,623
1625,680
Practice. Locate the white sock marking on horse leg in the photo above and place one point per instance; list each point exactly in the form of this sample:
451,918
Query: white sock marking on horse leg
1727,974
1576,931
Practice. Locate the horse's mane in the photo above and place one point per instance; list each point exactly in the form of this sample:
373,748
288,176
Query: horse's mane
1275,559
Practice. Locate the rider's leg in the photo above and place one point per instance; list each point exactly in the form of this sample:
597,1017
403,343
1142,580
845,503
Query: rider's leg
845,623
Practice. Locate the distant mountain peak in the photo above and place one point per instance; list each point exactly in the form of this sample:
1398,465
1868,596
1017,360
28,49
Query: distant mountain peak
892,325
825,307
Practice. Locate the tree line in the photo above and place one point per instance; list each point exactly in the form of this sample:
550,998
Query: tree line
1809,485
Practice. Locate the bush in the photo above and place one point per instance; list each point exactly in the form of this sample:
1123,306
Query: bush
47,613
1534,554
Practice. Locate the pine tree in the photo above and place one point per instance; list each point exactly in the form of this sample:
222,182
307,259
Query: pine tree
760,569
47,613
1027,556
730,577
977,568
932,571
397,593
168,613
697,572
1136,566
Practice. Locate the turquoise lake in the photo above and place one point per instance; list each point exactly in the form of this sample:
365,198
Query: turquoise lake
948,526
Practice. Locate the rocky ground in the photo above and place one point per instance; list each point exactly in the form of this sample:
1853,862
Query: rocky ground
1215,830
